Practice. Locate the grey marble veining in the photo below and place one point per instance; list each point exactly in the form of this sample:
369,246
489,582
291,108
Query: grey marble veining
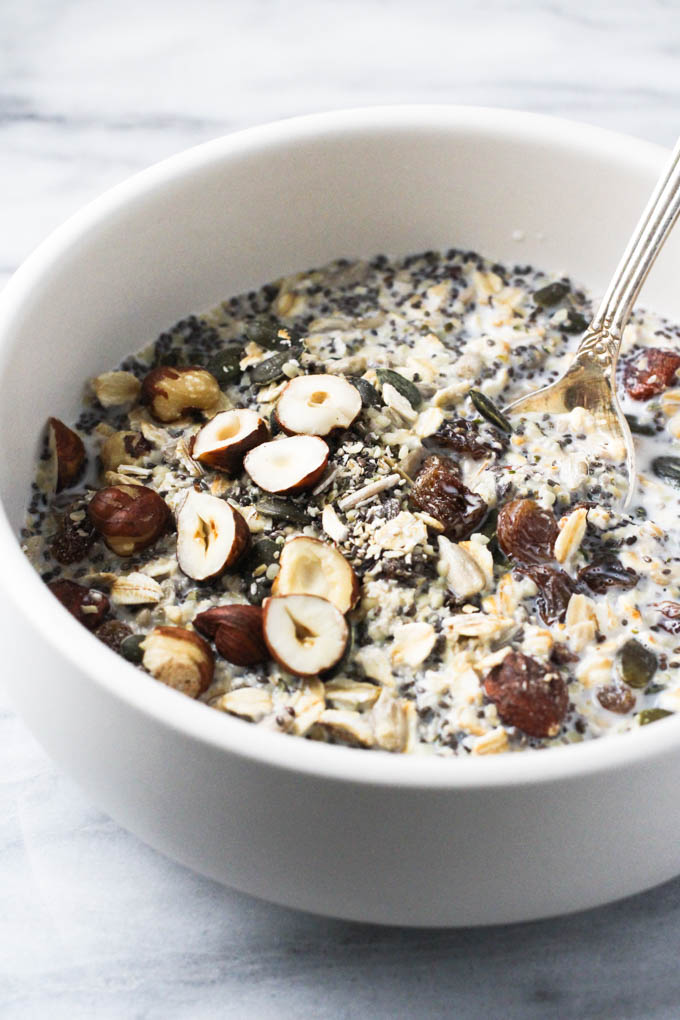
92,922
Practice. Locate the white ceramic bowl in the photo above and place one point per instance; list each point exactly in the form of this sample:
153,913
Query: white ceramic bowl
344,832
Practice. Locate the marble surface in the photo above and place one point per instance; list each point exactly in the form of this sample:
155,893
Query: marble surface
93,923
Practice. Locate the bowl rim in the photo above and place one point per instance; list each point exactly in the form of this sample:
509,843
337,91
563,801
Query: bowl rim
195,720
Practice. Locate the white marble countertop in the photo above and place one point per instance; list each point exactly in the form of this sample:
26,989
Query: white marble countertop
94,924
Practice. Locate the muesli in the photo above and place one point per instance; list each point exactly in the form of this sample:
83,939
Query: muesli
307,509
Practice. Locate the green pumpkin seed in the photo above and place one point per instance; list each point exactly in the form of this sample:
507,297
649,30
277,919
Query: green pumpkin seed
488,410
551,294
131,648
637,664
284,509
271,369
667,468
651,715
264,550
404,386
226,366
575,322
270,334
640,428
369,395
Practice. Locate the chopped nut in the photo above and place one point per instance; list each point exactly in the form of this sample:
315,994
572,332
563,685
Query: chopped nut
332,525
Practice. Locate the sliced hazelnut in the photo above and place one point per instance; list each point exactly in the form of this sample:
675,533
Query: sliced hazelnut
304,633
225,440
316,405
128,517
69,450
88,605
311,567
287,465
127,447
211,535
237,632
179,658
172,392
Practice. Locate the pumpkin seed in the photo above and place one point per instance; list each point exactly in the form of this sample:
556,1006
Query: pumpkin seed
131,648
408,389
575,322
226,366
638,427
284,509
264,550
652,714
270,334
369,395
271,369
551,294
667,468
488,410
637,664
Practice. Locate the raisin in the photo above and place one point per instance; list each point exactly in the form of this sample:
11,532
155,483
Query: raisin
670,612
113,633
88,605
463,437
527,695
555,588
616,698
607,573
439,491
136,445
74,538
526,531
651,372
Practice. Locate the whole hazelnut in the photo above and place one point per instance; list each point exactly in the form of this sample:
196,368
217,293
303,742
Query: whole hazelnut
124,448
128,517
179,658
236,631
69,451
88,605
172,392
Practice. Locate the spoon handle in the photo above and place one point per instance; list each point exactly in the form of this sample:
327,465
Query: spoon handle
648,237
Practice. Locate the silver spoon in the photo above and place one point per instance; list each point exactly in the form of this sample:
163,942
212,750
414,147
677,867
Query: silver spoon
590,380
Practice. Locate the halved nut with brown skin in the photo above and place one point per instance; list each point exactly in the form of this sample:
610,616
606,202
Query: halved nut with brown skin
179,658
304,633
69,451
227,438
128,517
172,392
287,465
311,567
211,535
237,632
316,405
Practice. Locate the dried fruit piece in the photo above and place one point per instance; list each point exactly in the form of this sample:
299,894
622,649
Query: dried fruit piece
605,573
439,492
637,664
555,588
461,436
288,465
172,392
311,567
227,438
304,633
128,517
74,537
526,531
113,633
316,405
616,698
179,658
69,450
670,612
650,373
236,631
488,410
211,536
527,695
88,605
